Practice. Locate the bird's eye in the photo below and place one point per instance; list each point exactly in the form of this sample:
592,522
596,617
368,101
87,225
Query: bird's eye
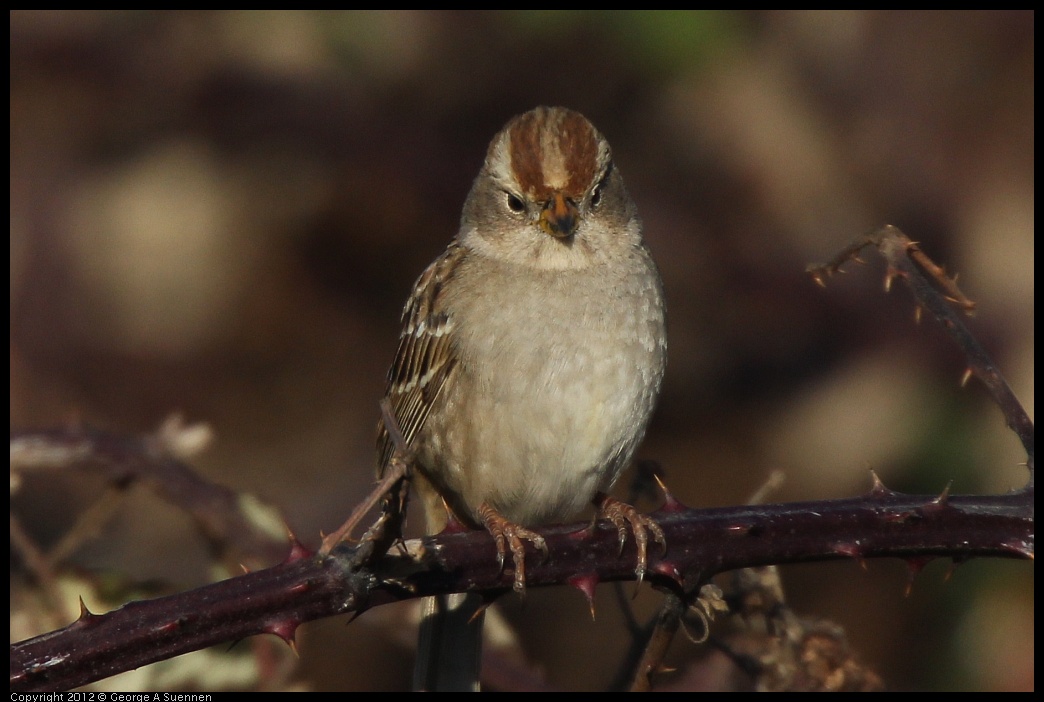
515,203
596,194
596,197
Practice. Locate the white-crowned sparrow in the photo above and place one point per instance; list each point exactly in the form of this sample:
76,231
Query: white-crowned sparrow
532,351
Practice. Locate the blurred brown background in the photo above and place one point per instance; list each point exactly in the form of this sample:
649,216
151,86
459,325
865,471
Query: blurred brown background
222,214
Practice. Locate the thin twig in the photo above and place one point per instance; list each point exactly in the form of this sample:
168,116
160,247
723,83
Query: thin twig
394,473
397,469
664,629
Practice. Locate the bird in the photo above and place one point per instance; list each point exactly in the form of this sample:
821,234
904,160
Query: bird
530,360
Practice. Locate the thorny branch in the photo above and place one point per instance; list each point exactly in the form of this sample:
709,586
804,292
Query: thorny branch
702,542
905,261
812,655
344,578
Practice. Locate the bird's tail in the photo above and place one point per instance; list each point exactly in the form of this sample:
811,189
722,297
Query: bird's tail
449,648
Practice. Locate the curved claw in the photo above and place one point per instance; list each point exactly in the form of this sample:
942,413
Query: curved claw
508,536
624,516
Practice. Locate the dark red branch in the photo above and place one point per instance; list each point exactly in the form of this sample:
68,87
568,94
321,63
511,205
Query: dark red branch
701,543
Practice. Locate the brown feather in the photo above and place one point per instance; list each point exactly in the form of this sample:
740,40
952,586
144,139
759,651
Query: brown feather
425,359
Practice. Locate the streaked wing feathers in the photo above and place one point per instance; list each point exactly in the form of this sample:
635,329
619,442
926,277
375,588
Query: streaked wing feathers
425,359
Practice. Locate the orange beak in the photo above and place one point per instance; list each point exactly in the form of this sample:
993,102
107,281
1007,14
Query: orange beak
560,217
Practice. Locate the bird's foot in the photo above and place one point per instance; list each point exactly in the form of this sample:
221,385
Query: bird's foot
509,536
